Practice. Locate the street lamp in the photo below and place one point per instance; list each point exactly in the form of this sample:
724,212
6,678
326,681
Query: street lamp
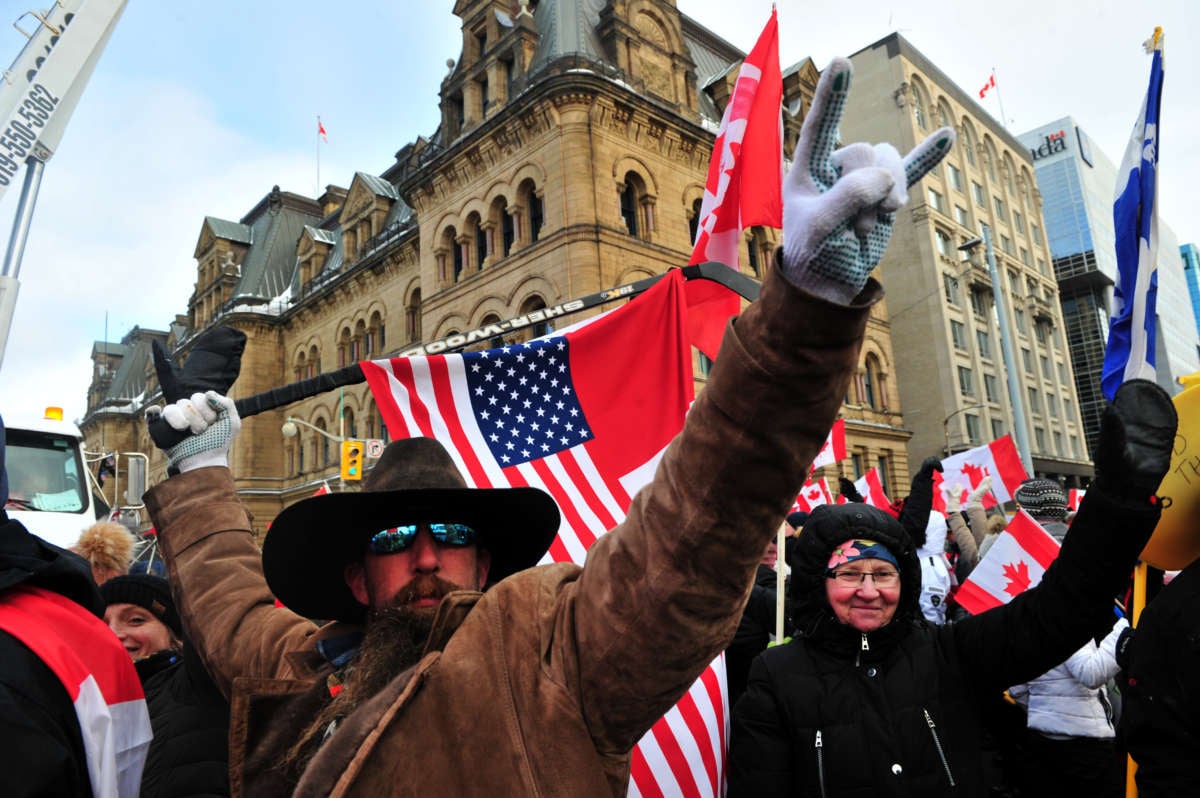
291,428
946,423
1020,430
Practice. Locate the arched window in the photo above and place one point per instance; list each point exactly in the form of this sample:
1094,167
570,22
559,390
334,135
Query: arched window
528,199
350,423
502,221
412,318
301,368
969,142
376,334
478,240
920,106
873,392
358,344
540,328
343,348
991,158
314,361
323,442
632,191
496,341
694,220
943,114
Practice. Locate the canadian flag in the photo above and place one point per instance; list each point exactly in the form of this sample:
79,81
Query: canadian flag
744,185
97,674
991,84
1074,497
321,131
813,494
870,487
998,459
323,490
1014,563
834,448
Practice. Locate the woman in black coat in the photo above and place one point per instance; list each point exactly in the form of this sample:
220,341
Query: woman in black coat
870,700
189,755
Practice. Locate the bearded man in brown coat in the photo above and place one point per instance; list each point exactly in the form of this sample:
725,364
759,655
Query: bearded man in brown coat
542,684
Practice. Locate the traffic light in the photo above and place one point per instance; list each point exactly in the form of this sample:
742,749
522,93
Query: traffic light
352,459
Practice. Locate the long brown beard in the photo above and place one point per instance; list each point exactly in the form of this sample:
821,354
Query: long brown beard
394,641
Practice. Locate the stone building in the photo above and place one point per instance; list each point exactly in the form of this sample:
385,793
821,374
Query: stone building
571,157
950,373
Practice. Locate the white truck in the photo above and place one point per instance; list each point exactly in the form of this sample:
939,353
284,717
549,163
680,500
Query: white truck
49,488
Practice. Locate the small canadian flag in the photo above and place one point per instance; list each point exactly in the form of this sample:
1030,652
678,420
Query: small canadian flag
321,131
991,84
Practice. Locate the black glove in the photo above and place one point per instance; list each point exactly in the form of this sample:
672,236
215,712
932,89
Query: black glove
1137,436
930,465
915,515
848,491
213,365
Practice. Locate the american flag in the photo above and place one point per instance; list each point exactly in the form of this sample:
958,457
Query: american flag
585,416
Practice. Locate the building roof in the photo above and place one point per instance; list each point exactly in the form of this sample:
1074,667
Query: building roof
232,231
276,224
110,348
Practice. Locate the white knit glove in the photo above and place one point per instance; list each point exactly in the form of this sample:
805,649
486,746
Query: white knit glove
211,420
975,497
839,206
952,495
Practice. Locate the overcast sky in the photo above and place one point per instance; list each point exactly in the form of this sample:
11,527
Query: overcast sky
199,108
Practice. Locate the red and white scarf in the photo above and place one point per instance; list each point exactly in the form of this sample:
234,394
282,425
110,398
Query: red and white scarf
98,675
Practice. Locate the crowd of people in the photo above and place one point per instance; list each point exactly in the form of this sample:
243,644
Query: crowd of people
403,638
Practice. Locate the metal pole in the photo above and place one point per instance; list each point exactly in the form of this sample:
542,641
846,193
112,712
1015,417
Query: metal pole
9,284
1015,397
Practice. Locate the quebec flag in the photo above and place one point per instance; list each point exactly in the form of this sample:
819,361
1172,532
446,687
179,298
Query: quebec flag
1130,350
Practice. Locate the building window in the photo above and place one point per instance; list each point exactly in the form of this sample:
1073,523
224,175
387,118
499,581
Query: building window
1037,234
1024,256
1039,332
966,381
1062,373
1006,244
935,199
944,245
1000,214
1027,360
756,246
1035,401
973,429
631,196
1052,405
694,220
1045,361
1019,222
969,143
1039,435
977,193
990,391
1041,266
983,343
958,332
919,109
950,283
1075,448
1058,443
997,428
412,319
1019,315
979,303
956,179
961,216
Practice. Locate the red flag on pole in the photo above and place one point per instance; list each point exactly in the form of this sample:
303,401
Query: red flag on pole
834,448
1014,563
321,131
988,86
744,185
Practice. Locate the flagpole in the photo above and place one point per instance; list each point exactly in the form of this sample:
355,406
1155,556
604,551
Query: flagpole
999,99
317,191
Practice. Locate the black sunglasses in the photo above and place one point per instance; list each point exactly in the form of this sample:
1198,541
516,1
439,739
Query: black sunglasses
398,538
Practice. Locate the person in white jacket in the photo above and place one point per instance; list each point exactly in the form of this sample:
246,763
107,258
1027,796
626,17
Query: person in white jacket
1070,734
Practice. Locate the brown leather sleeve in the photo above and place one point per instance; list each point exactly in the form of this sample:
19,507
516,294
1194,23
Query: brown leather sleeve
215,569
660,596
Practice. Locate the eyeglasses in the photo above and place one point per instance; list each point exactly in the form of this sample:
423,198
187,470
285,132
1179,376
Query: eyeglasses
399,538
851,578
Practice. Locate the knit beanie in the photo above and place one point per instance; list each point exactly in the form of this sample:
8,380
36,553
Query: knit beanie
151,593
1042,498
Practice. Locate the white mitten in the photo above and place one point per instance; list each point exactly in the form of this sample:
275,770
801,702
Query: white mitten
952,495
211,421
975,497
839,206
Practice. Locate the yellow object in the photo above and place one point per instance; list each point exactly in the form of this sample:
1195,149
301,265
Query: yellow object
352,459
54,413
1176,540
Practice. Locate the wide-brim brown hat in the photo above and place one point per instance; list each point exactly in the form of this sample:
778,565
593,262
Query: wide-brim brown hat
310,543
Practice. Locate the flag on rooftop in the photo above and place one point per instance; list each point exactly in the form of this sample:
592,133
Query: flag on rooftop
554,413
1131,333
988,86
321,131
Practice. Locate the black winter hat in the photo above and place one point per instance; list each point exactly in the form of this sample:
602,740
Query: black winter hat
797,519
151,593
